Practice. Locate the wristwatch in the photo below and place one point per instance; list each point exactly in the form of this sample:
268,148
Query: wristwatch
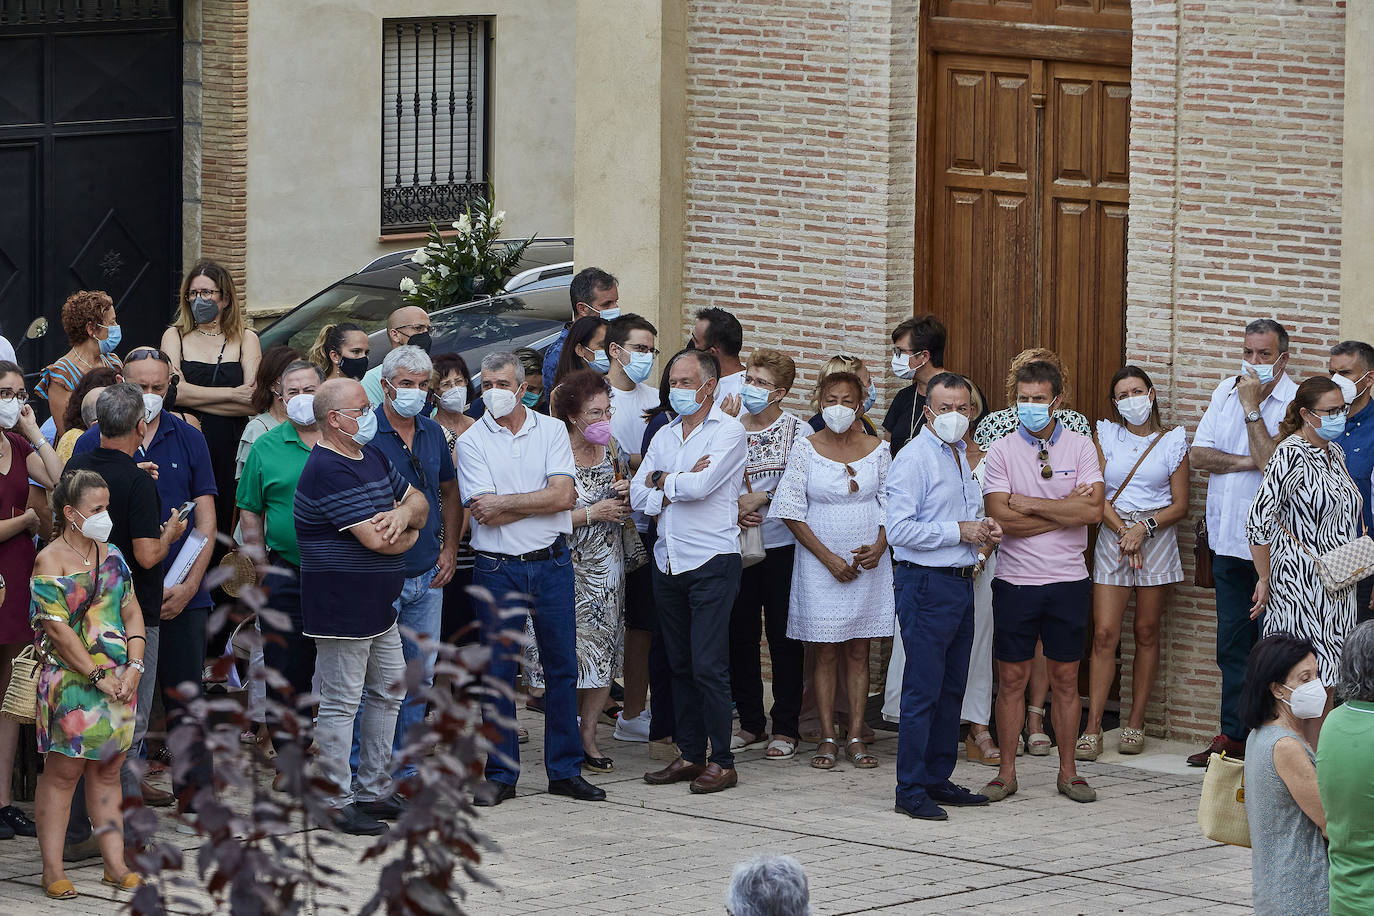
1252,417
654,478
1150,526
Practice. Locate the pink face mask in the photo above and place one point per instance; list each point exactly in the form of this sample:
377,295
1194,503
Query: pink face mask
598,433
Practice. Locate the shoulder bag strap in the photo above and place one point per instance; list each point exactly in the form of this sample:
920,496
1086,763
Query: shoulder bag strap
1121,489
1359,510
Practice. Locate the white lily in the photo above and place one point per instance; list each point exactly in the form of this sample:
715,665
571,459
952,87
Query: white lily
498,219
420,257
443,271
407,285
463,225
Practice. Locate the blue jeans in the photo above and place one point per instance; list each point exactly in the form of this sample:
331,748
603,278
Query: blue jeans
420,609
1236,635
544,588
935,613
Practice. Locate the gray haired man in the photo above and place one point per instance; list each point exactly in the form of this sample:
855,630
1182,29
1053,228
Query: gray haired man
768,886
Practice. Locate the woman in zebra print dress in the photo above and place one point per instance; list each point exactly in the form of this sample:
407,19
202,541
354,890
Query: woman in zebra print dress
1306,505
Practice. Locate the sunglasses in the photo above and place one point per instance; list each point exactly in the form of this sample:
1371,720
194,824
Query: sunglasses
1043,455
147,353
853,484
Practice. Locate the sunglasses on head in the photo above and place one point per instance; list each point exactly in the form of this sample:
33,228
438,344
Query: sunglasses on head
147,353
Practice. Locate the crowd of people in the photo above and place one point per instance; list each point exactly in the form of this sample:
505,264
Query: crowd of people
654,535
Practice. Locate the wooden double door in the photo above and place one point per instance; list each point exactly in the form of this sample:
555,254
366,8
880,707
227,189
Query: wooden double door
1028,192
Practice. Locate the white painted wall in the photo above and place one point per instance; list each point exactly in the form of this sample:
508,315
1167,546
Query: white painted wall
314,132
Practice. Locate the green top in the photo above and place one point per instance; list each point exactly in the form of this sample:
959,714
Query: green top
268,486
1343,756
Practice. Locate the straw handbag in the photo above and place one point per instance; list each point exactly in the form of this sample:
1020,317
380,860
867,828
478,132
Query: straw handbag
1221,812
21,699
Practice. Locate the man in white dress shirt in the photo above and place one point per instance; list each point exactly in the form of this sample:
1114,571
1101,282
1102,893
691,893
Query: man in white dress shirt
515,473
719,333
691,479
1235,441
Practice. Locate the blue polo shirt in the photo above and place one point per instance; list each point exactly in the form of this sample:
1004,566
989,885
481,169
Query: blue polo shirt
1358,444
424,466
184,472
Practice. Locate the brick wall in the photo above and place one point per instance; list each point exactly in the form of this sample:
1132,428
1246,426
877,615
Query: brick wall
224,135
1235,214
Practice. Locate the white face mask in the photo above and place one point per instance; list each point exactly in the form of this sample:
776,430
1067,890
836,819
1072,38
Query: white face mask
950,427
1308,701
301,410
499,402
838,418
9,412
98,526
1348,389
1136,410
455,400
152,406
901,367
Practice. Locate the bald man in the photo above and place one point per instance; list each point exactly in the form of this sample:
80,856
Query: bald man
407,325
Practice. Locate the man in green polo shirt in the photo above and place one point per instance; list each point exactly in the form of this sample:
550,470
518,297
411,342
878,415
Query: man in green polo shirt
266,499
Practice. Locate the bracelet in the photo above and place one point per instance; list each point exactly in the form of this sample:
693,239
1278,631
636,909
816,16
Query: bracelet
589,516
97,675
137,665
137,636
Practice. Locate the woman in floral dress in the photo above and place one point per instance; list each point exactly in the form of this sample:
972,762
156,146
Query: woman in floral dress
92,641
582,400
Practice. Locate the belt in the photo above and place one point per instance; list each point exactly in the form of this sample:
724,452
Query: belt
962,572
534,556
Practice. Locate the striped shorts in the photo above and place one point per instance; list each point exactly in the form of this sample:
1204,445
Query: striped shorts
1162,563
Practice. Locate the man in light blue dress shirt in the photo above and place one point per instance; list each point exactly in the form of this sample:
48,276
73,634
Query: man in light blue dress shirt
936,526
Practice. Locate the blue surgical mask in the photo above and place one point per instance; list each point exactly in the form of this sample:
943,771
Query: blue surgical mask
1265,371
610,314
1332,427
600,361
872,397
754,398
683,401
408,401
367,427
530,398
1033,417
107,346
641,364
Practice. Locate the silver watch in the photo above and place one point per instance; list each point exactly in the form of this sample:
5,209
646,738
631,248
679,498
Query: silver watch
1252,417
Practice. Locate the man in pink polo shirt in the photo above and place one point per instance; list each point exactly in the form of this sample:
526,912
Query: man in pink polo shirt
1043,484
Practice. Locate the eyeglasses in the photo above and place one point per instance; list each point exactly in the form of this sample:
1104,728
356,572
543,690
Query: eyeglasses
19,395
641,348
759,383
147,353
202,293
899,352
1043,455
1331,411
418,328
596,416
853,484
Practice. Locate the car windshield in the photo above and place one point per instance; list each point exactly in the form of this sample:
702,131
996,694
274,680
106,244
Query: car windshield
365,306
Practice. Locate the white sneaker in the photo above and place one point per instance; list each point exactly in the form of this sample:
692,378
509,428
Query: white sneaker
636,729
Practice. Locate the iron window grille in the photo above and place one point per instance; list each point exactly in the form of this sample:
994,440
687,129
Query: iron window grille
435,119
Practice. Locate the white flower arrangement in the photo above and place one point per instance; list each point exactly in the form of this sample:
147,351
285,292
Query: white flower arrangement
472,265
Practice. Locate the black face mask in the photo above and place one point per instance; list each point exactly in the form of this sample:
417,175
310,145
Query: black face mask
354,367
421,340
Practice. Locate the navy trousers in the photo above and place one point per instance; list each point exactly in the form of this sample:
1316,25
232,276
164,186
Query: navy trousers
1236,635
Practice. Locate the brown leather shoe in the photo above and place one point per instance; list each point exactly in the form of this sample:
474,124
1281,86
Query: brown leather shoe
154,797
1220,745
680,770
714,779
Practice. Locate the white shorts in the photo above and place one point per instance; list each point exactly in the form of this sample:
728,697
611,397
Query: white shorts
1162,564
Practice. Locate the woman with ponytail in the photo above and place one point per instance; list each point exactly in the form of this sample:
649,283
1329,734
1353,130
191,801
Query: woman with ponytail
341,351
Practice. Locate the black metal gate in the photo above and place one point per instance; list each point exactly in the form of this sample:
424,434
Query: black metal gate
90,162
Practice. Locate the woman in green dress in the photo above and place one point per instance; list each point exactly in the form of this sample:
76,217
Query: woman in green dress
91,631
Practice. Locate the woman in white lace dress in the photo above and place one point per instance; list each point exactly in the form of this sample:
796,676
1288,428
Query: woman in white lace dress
833,497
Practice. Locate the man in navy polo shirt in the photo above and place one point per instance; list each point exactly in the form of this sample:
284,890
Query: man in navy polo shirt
184,474
416,447
1352,367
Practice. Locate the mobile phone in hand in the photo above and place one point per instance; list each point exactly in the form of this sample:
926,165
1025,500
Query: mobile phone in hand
185,509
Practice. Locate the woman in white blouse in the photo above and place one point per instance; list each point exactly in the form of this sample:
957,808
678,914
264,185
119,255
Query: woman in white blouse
1146,470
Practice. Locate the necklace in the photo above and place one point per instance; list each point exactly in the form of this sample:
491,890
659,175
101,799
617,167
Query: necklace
82,361
209,333
86,559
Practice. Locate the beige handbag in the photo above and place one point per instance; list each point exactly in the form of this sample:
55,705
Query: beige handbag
1343,566
751,549
21,699
1221,812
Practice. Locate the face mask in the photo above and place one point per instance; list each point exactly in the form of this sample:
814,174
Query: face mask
1348,389
901,367
423,340
107,346
600,361
9,412
640,365
367,426
1136,410
354,367
838,417
1331,427
683,401
98,526
950,427
152,406
610,314
1033,417
301,410
754,398
530,398
408,401
1308,701
455,400
872,397
499,402
203,310
1263,370
598,433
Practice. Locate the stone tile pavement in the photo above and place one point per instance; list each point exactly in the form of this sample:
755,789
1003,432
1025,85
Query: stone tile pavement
662,850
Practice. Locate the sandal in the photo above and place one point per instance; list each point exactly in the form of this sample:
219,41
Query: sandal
61,889
982,749
825,761
862,760
522,735
1038,744
746,741
785,748
1132,740
1089,746
130,881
